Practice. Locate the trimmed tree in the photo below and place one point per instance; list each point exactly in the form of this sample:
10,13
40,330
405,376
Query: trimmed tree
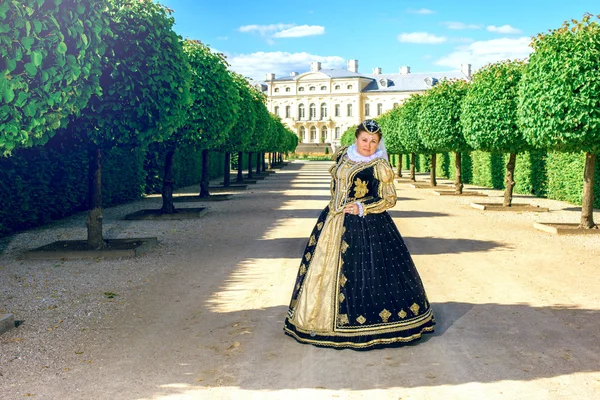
393,144
559,107
240,134
407,128
348,137
439,126
50,59
145,86
218,103
489,115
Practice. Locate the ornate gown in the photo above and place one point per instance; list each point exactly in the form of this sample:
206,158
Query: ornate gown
357,286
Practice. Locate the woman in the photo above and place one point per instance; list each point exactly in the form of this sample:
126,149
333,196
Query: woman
357,286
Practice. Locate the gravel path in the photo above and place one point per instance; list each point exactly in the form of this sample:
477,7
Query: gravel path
200,316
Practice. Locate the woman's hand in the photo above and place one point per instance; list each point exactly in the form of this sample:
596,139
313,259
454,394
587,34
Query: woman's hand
351,209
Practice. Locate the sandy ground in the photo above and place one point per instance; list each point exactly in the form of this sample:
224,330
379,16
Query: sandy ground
517,309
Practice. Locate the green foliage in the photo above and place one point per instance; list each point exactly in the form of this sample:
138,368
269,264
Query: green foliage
559,106
348,137
489,109
439,124
50,53
489,169
145,79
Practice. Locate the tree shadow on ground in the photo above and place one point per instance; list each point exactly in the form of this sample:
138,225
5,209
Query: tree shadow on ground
473,343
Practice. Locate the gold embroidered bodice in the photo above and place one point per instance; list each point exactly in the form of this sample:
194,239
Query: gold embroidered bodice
370,183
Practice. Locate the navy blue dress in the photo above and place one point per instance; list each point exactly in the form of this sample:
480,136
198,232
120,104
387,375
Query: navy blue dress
357,286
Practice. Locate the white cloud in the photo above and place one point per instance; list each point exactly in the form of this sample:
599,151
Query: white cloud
264,29
300,31
222,38
257,65
421,37
282,31
460,25
504,29
484,52
421,11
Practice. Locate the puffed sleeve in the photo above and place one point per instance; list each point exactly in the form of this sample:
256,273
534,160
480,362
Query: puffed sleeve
385,197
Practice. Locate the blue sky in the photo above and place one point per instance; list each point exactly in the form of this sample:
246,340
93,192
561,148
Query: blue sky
260,37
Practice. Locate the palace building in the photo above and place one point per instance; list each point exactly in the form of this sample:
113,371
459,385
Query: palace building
319,105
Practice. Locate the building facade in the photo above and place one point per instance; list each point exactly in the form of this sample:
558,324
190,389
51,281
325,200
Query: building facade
319,105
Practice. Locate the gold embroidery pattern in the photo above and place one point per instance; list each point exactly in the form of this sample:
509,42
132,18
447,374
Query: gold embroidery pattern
294,302
415,308
402,314
360,188
320,226
343,319
342,297
385,315
343,280
302,269
361,320
307,256
343,230
312,241
344,246
297,287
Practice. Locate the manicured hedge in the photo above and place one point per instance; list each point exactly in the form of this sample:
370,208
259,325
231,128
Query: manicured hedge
46,183
553,175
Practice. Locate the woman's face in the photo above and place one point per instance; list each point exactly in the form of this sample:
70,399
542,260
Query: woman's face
366,144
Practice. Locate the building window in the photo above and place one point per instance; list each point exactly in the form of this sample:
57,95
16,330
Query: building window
277,110
312,88
287,89
395,105
276,90
323,87
301,89
379,109
337,87
323,111
288,111
313,111
349,110
323,134
302,134
349,87
367,109
301,114
337,110
337,132
313,134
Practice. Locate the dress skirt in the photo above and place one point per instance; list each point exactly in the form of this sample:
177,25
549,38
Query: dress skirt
357,286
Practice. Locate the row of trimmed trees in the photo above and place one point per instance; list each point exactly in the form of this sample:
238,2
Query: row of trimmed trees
552,103
116,74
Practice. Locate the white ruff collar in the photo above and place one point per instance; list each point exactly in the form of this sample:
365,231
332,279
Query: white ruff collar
356,157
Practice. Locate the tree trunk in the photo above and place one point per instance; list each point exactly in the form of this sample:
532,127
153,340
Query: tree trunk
205,174
587,205
94,217
249,165
399,166
227,170
264,163
240,168
167,190
413,160
509,181
432,180
258,163
458,183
